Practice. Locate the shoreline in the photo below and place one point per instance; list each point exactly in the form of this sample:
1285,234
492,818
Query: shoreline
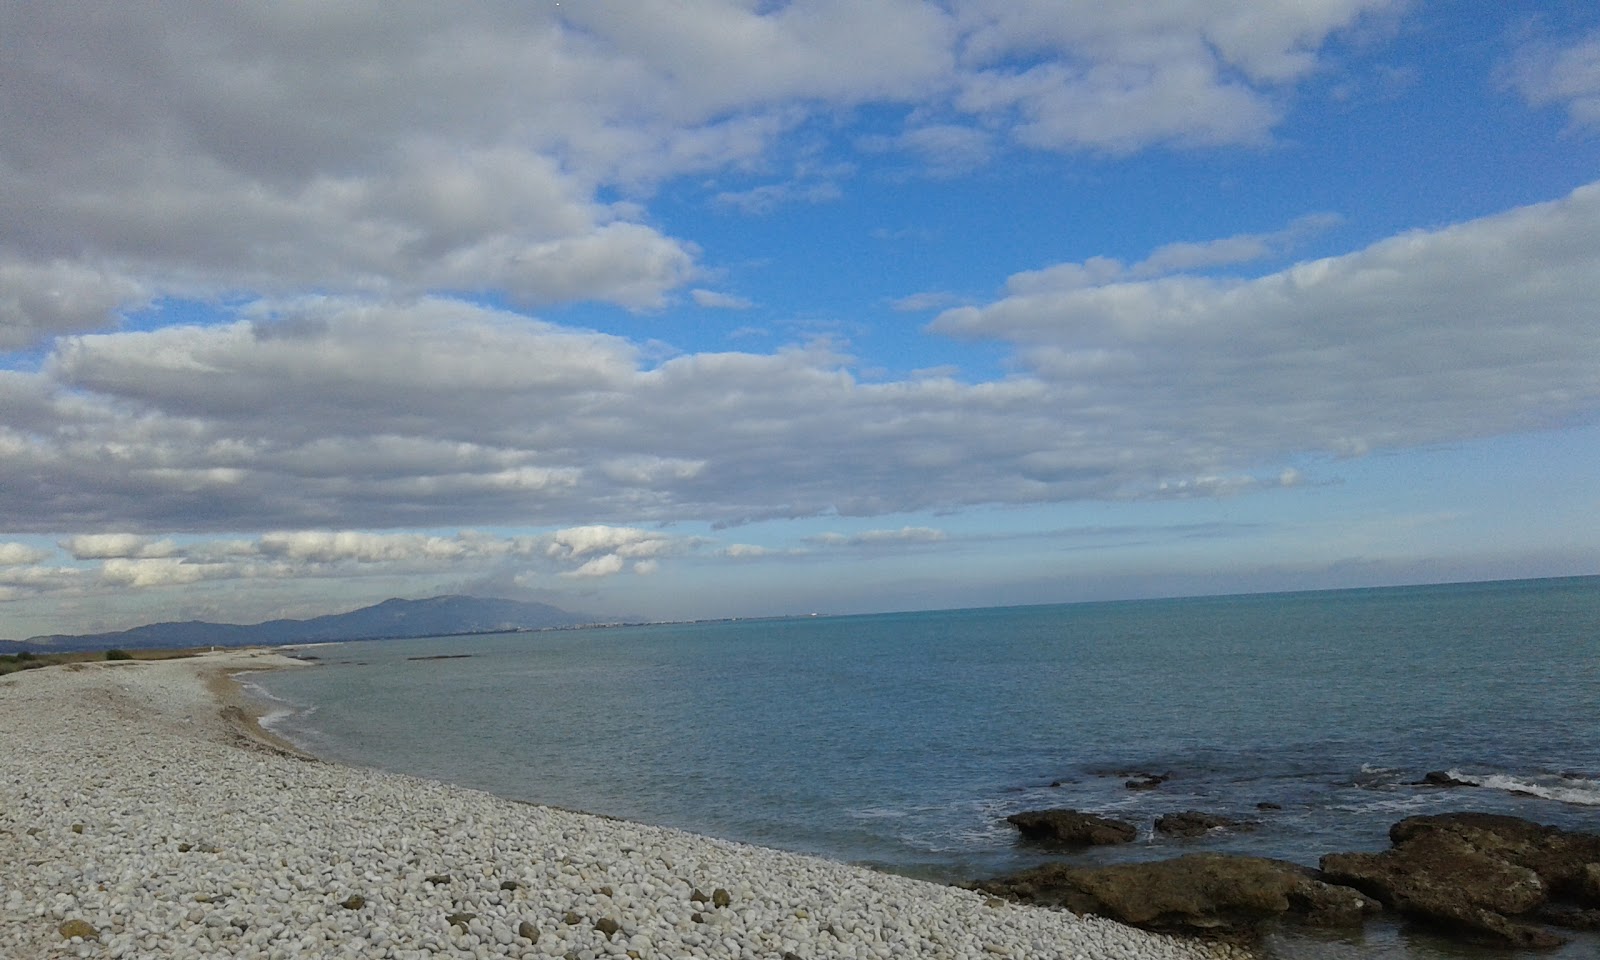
148,813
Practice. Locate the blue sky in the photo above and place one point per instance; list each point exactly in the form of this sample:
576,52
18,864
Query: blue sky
673,310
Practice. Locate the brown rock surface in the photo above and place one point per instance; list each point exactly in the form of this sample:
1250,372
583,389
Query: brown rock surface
1197,893
1070,828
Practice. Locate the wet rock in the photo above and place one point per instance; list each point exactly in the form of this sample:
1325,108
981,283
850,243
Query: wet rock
353,902
1200,893
1570,918
460,919
509,885
1477,875
528,931
607,926
1439,778
1193,823
1266,805
1070,828
1147,781
1562,859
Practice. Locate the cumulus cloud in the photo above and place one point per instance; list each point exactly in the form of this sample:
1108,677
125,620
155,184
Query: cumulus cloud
327,413
1470,330
424,149
20,554
103,546
1565,74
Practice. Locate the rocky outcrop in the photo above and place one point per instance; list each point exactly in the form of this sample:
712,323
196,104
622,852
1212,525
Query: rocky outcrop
1194,823
1483,876
1440,778
1071,828
1200,893
1147,781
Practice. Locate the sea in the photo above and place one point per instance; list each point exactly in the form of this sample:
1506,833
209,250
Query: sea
901,741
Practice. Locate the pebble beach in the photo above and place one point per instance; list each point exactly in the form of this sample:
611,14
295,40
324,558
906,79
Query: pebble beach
143,814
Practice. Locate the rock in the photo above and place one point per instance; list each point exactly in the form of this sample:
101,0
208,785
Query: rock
1199,893
720,898
1562,859
1147,781
1265,805
698,897
509,885
77,828
78,928
607,926
460,919
528,931
571,919
1439,778
437,879
353,902
1587,887
1193,823
1071,828
1473,874
1571,918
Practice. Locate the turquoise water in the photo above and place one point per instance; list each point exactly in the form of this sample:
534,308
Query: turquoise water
902,740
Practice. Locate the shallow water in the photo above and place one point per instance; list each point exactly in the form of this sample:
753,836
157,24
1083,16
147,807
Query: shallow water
902,740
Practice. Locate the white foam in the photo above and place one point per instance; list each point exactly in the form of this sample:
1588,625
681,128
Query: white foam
1574,790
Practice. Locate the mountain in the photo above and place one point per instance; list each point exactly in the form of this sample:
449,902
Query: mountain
391,619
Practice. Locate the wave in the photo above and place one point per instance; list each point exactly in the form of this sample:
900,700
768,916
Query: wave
1564,788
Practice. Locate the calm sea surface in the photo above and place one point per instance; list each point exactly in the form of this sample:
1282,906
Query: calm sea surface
901,740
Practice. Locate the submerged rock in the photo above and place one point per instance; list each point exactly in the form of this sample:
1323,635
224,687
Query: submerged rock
1199,893
1193,823
1071,828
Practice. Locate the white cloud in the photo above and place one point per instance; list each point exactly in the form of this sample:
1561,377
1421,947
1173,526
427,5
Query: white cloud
1472,330
905,534
714,300
160,572
932,300
1567,74
601,566
20,554
100,546
320,414
1172,258
419,149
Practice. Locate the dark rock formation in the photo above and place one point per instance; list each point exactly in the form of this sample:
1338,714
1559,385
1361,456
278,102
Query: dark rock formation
1147,781
1200,893
1193,823
1481,875
1070,828
1439,778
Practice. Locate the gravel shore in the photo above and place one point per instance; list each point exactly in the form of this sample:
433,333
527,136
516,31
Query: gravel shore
143,816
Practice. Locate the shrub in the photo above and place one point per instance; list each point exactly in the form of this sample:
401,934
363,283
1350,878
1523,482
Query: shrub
24,655
118,655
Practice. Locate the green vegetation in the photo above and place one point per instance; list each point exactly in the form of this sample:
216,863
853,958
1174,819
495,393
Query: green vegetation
11,663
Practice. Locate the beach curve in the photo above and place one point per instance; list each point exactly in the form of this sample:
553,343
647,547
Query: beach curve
145,813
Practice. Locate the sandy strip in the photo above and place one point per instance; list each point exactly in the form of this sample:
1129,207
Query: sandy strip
143,813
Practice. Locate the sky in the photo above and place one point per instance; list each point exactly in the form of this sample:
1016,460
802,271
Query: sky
667,309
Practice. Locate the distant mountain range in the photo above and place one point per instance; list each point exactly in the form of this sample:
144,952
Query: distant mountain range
391,619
